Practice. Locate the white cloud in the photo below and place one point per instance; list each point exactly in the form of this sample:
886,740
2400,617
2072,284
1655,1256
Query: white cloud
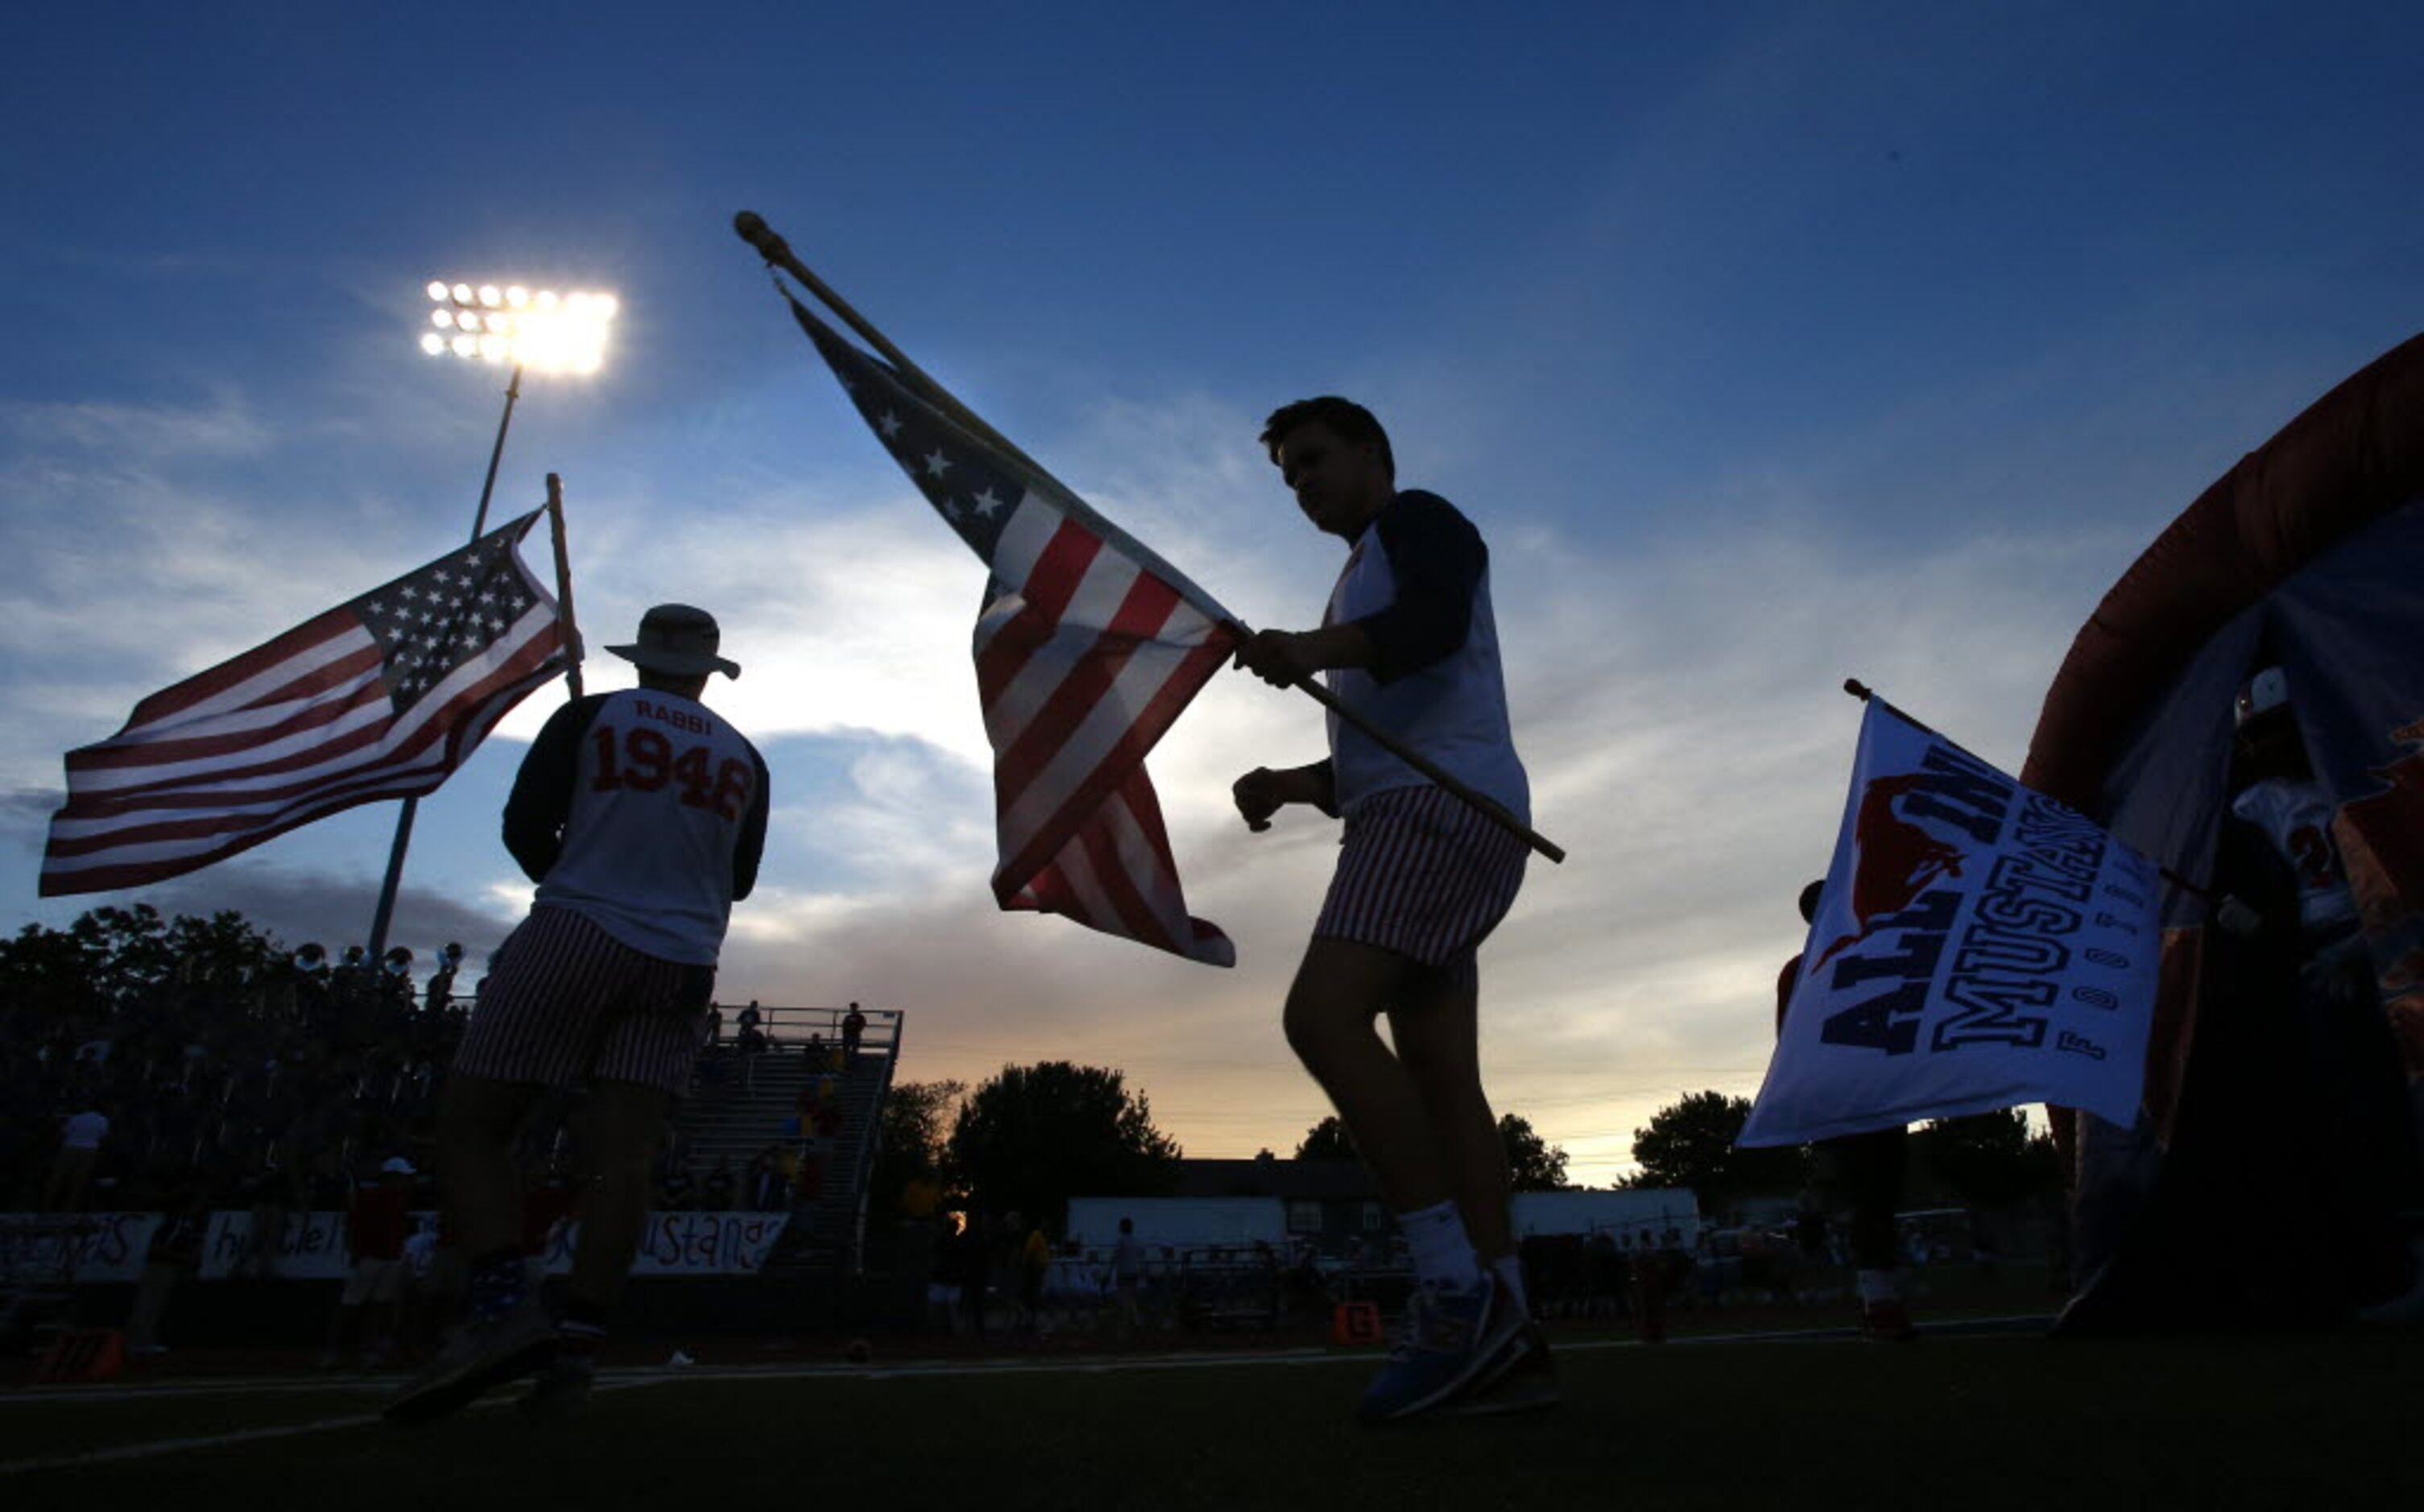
224,428
120,574
843,610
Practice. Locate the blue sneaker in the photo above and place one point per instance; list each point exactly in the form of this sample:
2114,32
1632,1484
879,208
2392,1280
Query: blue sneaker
1445,1340
481,1355
1523,1379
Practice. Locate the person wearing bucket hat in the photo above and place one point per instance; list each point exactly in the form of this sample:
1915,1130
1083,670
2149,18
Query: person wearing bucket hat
678,638
642,816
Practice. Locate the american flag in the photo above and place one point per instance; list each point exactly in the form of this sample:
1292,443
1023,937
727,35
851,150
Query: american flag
380,697
1087,648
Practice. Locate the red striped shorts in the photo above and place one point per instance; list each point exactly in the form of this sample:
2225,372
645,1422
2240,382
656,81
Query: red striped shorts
568,1003
1423,874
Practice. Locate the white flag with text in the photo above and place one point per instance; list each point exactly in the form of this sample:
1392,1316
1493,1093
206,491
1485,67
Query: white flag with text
1978,946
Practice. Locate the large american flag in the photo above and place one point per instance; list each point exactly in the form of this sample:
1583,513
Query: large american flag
380,697
1087,647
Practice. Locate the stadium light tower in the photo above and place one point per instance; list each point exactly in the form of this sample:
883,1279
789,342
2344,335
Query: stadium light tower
536,329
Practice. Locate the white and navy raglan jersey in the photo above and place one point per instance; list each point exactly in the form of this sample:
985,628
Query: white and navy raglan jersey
646,813
1418,583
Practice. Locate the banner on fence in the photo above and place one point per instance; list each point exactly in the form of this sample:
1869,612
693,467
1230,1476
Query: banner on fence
311,1247
70,1249
689,1244
87,1248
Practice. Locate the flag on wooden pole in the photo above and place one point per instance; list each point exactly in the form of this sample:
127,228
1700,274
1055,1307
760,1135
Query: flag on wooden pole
382,696
1087,647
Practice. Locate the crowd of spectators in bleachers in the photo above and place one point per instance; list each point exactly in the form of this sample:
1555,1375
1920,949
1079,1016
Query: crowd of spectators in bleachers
791,1169
146,1064
269,1082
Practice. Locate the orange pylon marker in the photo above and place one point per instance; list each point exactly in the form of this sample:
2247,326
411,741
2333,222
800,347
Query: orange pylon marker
1355,1323
83,1355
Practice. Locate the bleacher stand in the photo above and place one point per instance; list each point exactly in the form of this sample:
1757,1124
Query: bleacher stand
801,1123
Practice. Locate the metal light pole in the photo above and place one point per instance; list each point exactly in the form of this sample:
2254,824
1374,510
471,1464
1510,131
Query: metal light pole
495,326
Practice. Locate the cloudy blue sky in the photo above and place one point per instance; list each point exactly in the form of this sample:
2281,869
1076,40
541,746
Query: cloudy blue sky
1767,344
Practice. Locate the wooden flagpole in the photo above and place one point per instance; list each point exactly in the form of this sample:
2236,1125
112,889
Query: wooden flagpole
564,583
752,228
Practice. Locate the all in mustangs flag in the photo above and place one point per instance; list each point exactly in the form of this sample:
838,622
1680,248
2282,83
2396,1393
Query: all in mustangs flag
1978,947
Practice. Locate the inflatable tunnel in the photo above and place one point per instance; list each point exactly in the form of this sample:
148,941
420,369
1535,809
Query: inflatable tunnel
2272,1175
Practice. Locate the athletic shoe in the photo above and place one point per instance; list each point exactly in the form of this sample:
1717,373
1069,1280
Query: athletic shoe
480,1356
562,1389
1523,1379
1446,1339
1884,1321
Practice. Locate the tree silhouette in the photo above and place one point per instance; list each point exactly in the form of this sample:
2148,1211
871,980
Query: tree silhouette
1327,1140
1691,1144
914,1136
115,961
1990,1160
1536,1165
1034,1135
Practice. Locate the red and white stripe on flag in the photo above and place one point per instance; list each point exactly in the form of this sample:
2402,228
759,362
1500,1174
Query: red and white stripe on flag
381,697
1978,946
1087,649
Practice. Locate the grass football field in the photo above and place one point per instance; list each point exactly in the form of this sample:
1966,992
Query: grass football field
1985,1420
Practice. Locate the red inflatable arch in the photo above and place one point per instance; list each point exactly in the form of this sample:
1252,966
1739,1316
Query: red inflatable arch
2356,453
2308,554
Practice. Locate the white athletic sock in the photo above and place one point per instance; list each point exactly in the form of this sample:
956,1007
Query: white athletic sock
1442,1254
1510,1271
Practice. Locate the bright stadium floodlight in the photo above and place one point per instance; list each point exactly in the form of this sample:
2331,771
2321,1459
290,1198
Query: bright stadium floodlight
534,328
529,329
